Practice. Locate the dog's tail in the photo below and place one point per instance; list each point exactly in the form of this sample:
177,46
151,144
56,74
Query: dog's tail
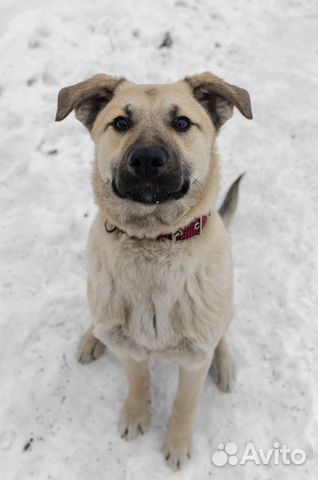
229,204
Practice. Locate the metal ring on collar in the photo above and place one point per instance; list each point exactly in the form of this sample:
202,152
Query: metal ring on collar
109,228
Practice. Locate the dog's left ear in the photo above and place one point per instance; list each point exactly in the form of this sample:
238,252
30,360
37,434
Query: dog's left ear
87,98
219,97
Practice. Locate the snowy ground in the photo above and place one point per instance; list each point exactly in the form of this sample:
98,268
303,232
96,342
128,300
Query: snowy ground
58,419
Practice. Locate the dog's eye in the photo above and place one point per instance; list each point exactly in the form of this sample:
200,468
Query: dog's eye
181,124
121,124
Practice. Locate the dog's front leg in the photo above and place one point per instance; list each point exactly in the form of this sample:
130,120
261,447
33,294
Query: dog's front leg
90,348
135,415
178,443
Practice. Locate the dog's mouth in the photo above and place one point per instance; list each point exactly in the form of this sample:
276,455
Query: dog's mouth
150,191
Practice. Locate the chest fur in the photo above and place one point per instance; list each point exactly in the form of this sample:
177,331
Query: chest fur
158,298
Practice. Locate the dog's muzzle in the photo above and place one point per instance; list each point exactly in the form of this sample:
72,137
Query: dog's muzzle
150,175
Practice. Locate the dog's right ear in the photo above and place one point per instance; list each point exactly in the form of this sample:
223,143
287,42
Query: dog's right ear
86,98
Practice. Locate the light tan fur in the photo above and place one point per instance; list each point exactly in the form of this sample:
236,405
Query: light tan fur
154,299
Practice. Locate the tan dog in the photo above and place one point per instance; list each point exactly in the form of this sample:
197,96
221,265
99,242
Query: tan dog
160,272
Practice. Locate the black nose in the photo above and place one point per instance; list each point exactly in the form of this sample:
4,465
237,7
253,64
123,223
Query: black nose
147,161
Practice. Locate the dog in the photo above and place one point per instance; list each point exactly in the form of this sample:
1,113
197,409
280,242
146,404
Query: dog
159,261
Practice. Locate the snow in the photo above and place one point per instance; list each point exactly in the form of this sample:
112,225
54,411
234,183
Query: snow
69,410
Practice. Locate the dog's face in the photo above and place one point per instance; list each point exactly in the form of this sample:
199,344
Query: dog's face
150,140
154,143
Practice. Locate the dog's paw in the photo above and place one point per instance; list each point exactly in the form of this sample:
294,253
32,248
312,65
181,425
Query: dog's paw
177,450
222,369
90,348
134,420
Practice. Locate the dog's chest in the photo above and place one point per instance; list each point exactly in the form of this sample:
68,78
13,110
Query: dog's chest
153,293
160,299
167,296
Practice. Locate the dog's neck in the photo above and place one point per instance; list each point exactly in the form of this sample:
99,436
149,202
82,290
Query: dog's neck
152,221
193,229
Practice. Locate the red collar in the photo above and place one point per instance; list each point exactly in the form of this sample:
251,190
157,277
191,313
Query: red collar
191,230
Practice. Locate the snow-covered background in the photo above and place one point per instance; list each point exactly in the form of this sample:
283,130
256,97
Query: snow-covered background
58,419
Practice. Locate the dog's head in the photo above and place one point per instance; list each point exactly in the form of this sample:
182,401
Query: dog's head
155,159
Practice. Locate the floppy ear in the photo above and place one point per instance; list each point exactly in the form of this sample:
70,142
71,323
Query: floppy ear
219,97
86,98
